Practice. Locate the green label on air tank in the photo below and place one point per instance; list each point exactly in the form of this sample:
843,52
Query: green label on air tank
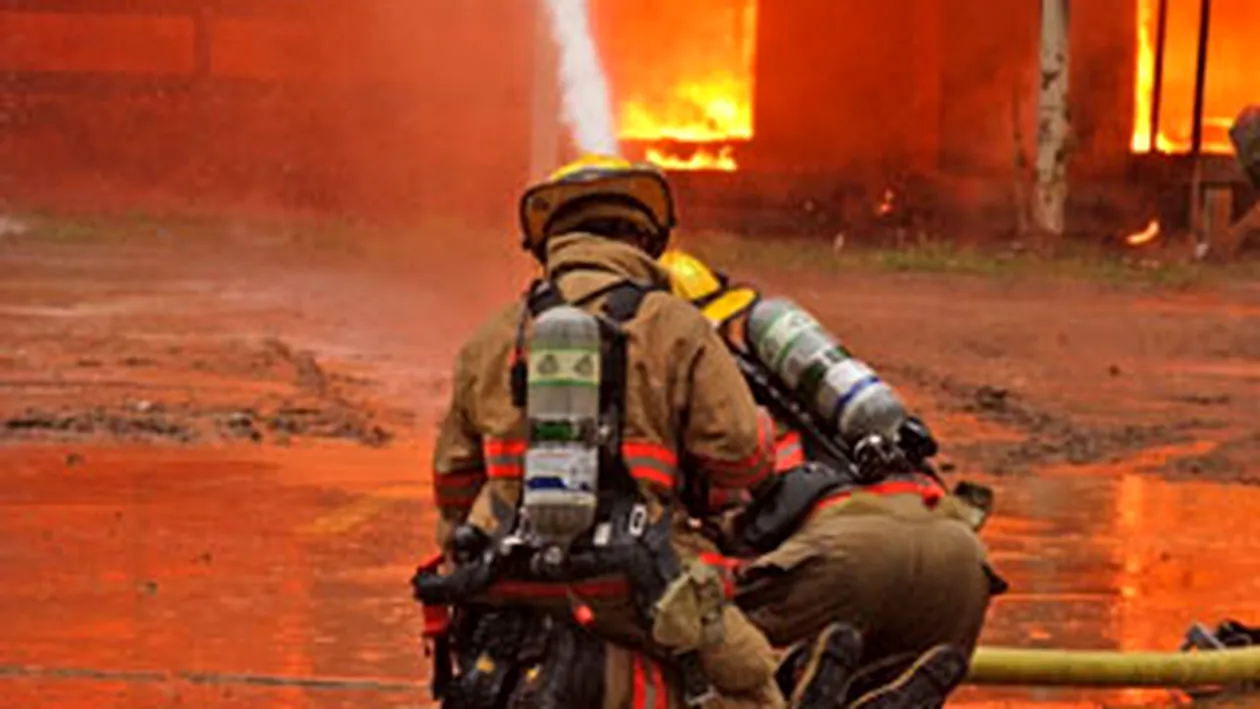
564,367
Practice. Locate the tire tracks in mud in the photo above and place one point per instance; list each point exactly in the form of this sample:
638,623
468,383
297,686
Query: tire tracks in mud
1048,438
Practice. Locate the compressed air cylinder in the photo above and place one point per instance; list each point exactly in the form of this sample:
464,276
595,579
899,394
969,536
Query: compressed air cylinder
842,391
1245,135
562,409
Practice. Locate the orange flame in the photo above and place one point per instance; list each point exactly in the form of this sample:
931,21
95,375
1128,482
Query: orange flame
1145,236
706,94
719,110
1231,68
702,159
1145,84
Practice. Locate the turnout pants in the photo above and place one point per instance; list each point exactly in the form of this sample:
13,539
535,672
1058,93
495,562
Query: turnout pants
905,576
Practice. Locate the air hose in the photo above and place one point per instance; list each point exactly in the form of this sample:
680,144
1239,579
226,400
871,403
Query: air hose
1102,668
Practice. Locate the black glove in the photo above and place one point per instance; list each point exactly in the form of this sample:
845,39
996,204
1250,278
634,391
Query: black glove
476,566
468,543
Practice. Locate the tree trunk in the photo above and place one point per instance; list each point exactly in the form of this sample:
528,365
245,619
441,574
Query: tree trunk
1053,124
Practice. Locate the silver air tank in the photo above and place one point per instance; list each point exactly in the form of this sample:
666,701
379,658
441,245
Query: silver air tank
842,391
562,410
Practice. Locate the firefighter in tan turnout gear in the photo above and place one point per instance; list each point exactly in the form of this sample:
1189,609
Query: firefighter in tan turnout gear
858,531
588,425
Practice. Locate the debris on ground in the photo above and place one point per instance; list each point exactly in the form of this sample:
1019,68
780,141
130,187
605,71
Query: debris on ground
277,394
98,421
1049,438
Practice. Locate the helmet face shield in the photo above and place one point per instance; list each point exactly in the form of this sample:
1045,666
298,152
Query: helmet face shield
607,187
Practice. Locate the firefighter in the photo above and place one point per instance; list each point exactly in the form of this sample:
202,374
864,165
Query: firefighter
885,549
676,419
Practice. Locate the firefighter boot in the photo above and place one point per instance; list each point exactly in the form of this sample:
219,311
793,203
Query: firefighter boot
827,668
924,685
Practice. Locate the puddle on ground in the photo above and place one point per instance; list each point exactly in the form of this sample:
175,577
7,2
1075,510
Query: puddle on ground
295,562
1113,557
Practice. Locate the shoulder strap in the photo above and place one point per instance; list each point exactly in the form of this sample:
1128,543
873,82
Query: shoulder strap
542,296
624,300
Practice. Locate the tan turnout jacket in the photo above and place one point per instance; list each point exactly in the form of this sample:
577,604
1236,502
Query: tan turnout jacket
686,402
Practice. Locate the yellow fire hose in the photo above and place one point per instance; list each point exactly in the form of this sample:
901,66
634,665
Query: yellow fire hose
1087,668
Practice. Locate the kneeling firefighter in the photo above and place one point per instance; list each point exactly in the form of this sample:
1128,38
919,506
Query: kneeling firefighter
585,423
859,540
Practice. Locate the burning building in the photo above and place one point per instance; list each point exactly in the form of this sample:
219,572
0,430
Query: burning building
813,98
386,104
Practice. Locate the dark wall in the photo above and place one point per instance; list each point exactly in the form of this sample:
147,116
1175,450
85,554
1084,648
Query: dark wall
989,84
1104,46
844,84
933,85
391,106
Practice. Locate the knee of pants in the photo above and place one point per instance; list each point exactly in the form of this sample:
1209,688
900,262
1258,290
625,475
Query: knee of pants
744,661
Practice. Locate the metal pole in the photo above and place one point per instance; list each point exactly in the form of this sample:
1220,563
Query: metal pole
1053,125
1196,135
1157,91
1200,76
545,113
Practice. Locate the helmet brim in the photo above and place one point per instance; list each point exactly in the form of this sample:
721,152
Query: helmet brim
646,189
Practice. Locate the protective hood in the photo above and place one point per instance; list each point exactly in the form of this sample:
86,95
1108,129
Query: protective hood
585,262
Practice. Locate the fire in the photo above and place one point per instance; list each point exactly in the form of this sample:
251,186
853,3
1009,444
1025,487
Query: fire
701,159
695,88
1145,236
1145,85
888,203
708,112
1231,68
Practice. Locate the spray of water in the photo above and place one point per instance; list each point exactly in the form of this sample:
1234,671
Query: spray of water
586,104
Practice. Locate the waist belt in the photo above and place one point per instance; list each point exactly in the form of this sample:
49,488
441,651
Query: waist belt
607,587
589,588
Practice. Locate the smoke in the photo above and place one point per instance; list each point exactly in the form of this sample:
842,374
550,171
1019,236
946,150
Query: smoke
587,106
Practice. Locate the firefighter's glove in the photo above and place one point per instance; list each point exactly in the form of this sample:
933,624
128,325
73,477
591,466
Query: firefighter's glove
688,615
476,565
468,542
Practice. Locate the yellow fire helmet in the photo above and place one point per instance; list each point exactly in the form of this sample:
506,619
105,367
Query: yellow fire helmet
599,187
693,280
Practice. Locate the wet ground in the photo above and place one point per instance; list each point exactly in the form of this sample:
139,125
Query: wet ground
213,451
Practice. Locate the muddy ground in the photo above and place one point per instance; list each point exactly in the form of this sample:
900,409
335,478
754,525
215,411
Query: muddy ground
213,441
